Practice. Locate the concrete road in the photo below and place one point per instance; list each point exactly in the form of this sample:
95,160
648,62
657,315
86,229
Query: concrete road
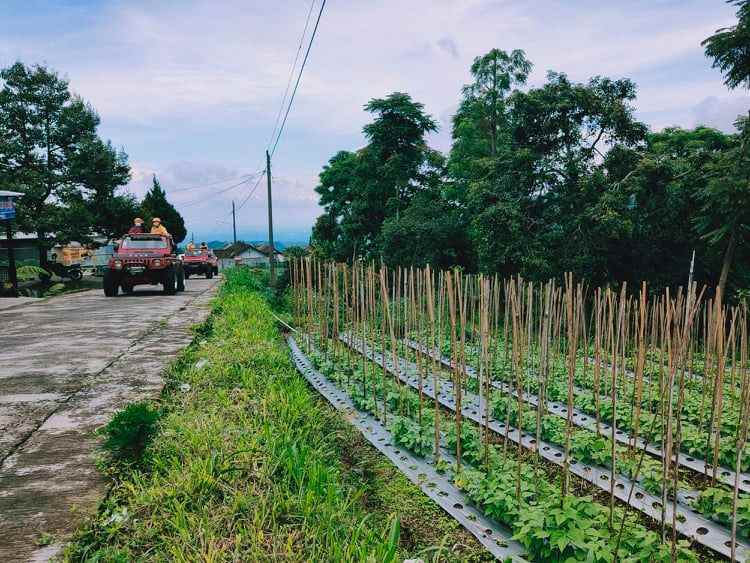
67,364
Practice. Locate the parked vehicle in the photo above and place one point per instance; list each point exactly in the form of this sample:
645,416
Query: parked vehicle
200,263
144,259
73,272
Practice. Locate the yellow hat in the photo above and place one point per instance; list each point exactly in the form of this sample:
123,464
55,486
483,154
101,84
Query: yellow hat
155,219
137,220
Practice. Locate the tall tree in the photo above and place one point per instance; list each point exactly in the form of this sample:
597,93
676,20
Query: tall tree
723,199
359,191
155,204
42,128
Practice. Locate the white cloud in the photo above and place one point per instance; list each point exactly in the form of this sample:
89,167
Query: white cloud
191,88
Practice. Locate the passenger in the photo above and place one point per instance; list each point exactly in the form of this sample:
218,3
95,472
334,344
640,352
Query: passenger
137,228
190,247
157,228
204,248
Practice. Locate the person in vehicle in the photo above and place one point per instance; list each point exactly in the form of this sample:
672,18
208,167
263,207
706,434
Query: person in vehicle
190,247
157,228
204,248
138,227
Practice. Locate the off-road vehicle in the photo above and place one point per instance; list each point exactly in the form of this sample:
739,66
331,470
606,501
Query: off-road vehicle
200,263
144,260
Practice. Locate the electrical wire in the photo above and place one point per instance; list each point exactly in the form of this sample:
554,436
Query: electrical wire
210,184
223,190
299,76
291,73
250,193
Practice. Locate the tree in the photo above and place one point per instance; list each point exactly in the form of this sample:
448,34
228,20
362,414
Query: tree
724,216
359,191
42,129
430,231
155,204
730,50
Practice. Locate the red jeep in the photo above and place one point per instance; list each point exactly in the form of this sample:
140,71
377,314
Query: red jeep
201,263
144,259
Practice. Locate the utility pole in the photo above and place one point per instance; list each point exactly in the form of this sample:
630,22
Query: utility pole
234,225
272,254
12,276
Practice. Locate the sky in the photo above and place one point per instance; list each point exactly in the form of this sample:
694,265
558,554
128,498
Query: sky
191,88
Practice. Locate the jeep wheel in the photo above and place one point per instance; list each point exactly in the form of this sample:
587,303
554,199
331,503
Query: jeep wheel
127,288
209,274
180,280
187,276
109,283
170,283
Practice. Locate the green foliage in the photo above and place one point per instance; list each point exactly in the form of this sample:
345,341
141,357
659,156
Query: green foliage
50,152
716,503
540,181
130,430
155,204
728,48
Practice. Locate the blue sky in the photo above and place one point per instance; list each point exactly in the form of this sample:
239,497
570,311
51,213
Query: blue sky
191,88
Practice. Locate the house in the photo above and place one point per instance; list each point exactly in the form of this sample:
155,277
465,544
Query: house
245,254
25,246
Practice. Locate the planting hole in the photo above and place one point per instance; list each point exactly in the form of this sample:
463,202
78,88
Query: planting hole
458,506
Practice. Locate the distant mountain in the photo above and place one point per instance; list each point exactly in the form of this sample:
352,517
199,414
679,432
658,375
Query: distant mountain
281,245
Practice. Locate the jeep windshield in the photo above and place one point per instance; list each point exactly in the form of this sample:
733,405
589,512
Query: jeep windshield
144,244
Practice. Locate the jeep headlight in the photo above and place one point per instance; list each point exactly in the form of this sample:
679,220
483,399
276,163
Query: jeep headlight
118,264
157,263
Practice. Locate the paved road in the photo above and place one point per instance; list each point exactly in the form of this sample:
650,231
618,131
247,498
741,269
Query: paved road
66,365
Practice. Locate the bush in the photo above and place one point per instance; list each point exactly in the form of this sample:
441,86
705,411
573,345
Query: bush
130,430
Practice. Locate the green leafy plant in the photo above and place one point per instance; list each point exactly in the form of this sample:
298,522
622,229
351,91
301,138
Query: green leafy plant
129,431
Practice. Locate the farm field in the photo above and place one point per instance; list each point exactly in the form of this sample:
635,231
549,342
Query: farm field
590,422
243,462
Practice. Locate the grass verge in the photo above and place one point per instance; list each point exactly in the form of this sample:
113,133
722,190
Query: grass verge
249,464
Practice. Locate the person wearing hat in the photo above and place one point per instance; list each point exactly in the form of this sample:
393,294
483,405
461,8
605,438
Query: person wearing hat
157,228
137,228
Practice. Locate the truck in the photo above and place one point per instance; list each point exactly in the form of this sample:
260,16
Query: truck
144,259
198,262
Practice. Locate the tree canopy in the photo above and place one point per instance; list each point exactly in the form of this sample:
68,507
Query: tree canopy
539,181
155,204
50,152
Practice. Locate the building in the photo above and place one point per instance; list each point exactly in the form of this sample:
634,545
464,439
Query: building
245,254
25,246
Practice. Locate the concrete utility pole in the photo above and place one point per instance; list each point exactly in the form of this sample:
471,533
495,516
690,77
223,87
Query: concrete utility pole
234,225
272,254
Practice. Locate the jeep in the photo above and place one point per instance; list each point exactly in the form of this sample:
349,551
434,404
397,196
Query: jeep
200,263
144,259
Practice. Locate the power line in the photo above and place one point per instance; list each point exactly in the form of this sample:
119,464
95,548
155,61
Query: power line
251,192
291,72
210,184
223,190
299,77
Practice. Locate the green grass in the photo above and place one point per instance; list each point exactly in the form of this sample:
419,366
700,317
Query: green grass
249,464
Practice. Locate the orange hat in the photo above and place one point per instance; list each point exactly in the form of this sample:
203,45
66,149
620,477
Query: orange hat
155,220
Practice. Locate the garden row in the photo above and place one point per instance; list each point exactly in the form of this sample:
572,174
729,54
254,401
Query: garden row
546,372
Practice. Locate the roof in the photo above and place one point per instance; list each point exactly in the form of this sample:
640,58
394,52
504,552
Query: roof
232,250
6,193
265,248
237,248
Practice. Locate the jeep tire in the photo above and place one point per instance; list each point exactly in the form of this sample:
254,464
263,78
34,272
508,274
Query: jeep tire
109,283
170,283
180,280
